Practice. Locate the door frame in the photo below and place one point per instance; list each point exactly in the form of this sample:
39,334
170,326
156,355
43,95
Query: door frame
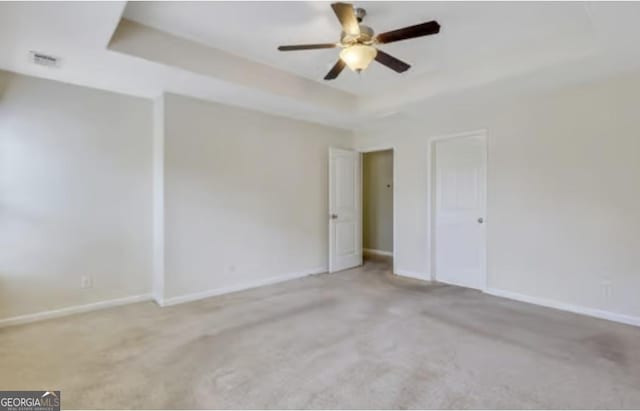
431,186
362,151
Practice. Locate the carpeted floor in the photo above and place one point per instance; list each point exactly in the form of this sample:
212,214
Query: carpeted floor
357,339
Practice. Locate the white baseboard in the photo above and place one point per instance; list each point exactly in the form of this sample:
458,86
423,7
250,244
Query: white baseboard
592,312
377,252
76,309
240,287
412,274
457,284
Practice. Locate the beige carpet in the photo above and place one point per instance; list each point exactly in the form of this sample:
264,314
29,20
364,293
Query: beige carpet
357,339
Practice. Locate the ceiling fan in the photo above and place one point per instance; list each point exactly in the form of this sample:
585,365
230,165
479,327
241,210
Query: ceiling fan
358,42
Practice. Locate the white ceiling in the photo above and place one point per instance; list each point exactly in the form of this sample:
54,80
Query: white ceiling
471,32
480,44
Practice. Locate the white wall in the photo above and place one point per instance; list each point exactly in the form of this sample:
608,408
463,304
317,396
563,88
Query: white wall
158,199
377,199
563,189
246,196
75,195
172,197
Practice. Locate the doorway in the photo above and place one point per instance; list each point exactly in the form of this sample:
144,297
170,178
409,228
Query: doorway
378,205
459,210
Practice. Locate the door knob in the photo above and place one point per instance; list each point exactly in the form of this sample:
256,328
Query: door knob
334,216
480,220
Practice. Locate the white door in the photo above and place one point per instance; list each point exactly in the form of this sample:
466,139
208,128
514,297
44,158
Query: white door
345,234
460,198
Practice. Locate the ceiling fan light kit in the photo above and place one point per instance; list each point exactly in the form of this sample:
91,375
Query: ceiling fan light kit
358,42
358,57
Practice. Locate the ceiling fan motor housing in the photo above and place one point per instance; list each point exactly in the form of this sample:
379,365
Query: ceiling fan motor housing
366,32
365,36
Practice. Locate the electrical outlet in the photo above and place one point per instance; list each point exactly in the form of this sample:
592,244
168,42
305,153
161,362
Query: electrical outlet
86,281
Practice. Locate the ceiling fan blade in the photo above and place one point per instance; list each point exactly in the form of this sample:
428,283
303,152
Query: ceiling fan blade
419,30
335,70
347,17
391,62
307,47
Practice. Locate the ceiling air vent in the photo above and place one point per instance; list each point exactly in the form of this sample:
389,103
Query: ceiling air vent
44,59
